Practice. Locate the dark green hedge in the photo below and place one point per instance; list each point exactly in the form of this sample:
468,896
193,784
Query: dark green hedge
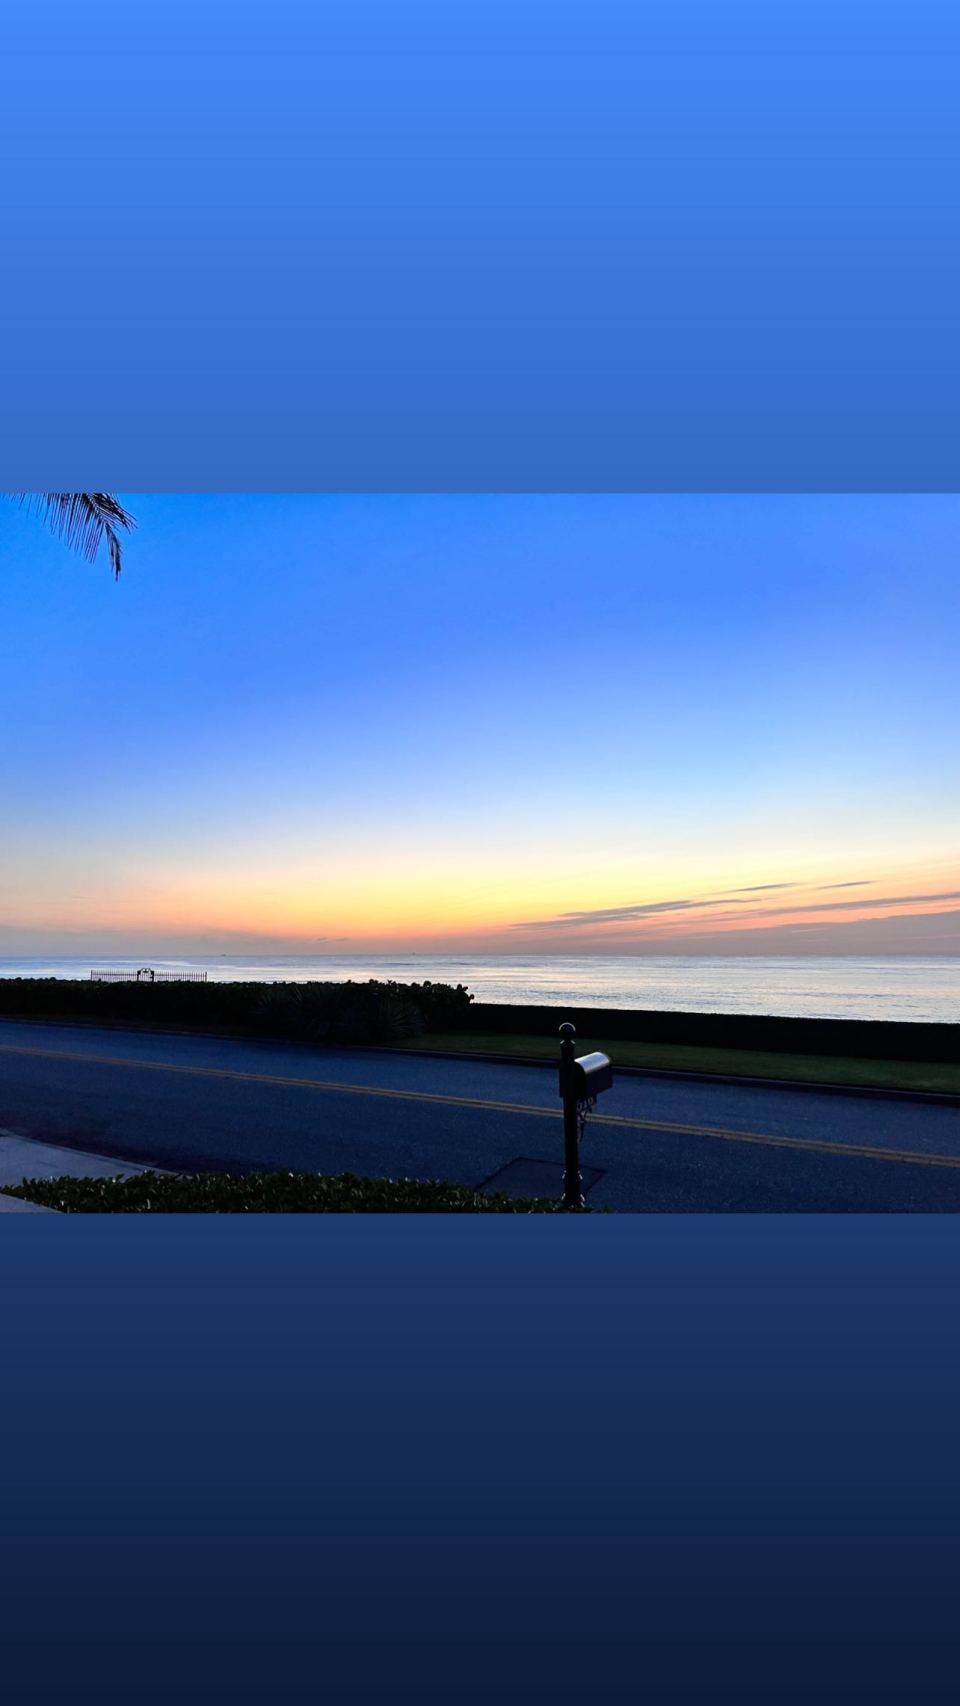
370,1012
268,1193
865,1039
376,1012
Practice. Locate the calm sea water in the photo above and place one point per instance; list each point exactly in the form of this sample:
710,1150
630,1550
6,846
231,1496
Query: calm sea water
844,987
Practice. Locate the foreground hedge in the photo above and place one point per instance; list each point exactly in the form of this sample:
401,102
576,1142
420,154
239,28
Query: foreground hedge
268,1193
371,1012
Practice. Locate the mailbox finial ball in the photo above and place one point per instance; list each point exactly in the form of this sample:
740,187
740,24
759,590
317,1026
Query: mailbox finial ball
568,1030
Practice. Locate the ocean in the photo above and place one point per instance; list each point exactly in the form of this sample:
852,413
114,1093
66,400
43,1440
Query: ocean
840,987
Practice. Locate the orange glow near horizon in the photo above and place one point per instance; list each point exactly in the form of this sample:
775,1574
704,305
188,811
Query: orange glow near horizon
375,907
382,726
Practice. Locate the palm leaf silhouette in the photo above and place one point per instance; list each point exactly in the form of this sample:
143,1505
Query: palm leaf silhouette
84,520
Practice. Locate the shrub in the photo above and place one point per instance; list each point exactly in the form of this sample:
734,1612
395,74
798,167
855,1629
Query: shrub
300,1012
372,1012
377,1013
269,1193
444,1008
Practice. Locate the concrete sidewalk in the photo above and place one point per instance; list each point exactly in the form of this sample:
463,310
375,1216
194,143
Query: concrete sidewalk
25,1158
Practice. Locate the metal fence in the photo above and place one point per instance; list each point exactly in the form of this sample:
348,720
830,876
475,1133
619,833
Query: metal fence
146,974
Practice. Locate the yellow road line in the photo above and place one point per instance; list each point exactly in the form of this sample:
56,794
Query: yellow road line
279,1078
730,1134
822,1144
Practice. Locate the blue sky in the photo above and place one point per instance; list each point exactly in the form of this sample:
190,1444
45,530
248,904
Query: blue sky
486,722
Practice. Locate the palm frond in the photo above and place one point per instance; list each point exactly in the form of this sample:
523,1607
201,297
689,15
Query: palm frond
84,520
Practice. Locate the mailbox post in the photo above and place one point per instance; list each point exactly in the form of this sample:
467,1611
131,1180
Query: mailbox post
572,1181
581,1081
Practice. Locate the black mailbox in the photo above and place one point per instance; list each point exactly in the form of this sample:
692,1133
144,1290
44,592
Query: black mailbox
581,1082
592,1073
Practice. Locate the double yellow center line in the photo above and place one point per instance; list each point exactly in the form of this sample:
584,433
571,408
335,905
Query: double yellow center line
628,1122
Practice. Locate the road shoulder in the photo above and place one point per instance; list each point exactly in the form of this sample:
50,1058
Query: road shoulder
28,1158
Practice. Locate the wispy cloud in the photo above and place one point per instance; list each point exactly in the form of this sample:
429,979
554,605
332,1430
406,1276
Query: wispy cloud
906,932
617,914
759,888
866,903
717,908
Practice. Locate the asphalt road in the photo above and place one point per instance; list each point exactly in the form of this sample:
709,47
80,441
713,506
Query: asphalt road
197,1102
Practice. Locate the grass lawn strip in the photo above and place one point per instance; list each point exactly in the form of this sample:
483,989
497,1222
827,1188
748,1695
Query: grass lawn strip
737,1063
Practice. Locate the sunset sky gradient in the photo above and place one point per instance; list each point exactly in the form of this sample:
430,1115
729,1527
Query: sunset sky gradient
486,724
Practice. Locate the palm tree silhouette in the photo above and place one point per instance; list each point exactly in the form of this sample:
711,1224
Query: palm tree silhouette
83,520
